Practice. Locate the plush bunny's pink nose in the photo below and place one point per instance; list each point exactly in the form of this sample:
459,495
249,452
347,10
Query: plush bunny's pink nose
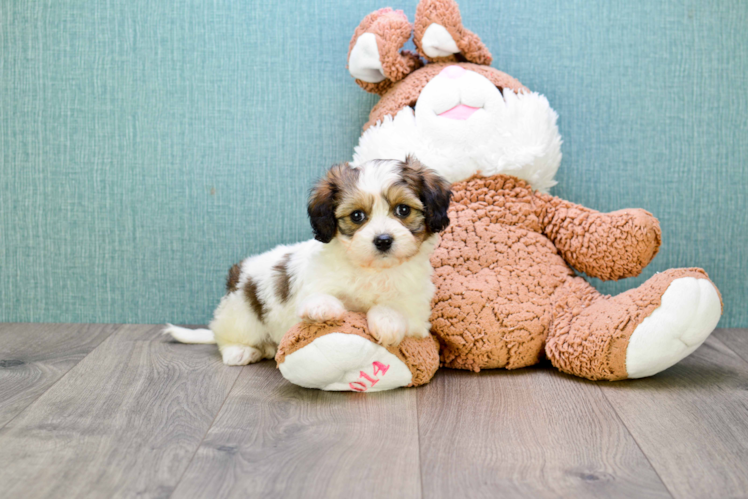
453,72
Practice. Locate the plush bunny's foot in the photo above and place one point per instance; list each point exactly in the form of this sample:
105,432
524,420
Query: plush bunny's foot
344,356
341,362
689,311
635,334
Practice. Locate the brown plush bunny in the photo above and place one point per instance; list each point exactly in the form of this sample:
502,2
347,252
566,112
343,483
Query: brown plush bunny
507,294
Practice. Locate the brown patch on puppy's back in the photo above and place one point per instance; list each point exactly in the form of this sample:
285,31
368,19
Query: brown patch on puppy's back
282,278
232,280
250,292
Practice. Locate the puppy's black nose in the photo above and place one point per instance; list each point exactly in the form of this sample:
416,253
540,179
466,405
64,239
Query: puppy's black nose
383,242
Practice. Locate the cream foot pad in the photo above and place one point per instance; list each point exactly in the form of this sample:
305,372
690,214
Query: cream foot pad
689,311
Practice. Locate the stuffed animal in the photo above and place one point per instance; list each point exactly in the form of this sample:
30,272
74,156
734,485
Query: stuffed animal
507,294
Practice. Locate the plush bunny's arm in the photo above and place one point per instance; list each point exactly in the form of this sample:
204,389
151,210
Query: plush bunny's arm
609,246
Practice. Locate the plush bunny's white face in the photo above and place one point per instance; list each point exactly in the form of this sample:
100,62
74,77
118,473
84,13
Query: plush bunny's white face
464,125
457,103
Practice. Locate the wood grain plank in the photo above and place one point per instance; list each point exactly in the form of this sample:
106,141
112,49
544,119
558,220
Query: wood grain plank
526,433
736,339
690,421
273,439
124,422
33,356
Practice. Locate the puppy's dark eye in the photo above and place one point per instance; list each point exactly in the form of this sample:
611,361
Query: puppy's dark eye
358,216
402,210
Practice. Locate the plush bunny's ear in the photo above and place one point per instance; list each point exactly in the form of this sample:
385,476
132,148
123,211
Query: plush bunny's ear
374,56
441,37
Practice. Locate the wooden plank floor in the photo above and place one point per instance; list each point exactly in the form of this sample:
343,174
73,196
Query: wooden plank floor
121,411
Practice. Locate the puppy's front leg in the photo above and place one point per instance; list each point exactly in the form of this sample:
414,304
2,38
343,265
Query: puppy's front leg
387,325
320,307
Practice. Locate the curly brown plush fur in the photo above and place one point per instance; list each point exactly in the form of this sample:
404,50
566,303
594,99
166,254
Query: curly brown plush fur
506,294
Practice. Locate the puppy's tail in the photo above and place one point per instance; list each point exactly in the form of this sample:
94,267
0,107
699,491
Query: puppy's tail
187,336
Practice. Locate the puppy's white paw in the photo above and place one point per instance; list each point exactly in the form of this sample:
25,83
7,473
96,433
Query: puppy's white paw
270,350
387,325
418,329
321,308
239,355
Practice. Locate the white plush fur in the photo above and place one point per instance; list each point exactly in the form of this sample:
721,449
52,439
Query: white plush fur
347,274
688,313
514,134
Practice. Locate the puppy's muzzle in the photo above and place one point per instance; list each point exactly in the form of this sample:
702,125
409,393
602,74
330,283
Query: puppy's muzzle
383,242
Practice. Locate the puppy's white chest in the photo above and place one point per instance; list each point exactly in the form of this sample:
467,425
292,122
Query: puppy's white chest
366,293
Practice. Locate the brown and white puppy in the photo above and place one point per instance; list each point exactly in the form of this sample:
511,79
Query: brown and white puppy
375,227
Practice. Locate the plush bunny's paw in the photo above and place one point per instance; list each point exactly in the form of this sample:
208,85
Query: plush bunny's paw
688,313
346,357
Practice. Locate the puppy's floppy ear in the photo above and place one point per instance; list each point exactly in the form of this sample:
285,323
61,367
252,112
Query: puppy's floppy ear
324,198
321,209
433,191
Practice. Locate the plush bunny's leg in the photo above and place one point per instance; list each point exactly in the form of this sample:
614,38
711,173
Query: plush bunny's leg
635,334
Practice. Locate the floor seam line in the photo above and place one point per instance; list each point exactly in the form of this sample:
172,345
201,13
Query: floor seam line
418,435
202,440
636,442
727,346
117,329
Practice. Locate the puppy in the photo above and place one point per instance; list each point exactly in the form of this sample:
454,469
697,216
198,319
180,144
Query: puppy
375,227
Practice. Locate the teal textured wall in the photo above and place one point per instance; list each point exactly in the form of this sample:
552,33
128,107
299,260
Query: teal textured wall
146,145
